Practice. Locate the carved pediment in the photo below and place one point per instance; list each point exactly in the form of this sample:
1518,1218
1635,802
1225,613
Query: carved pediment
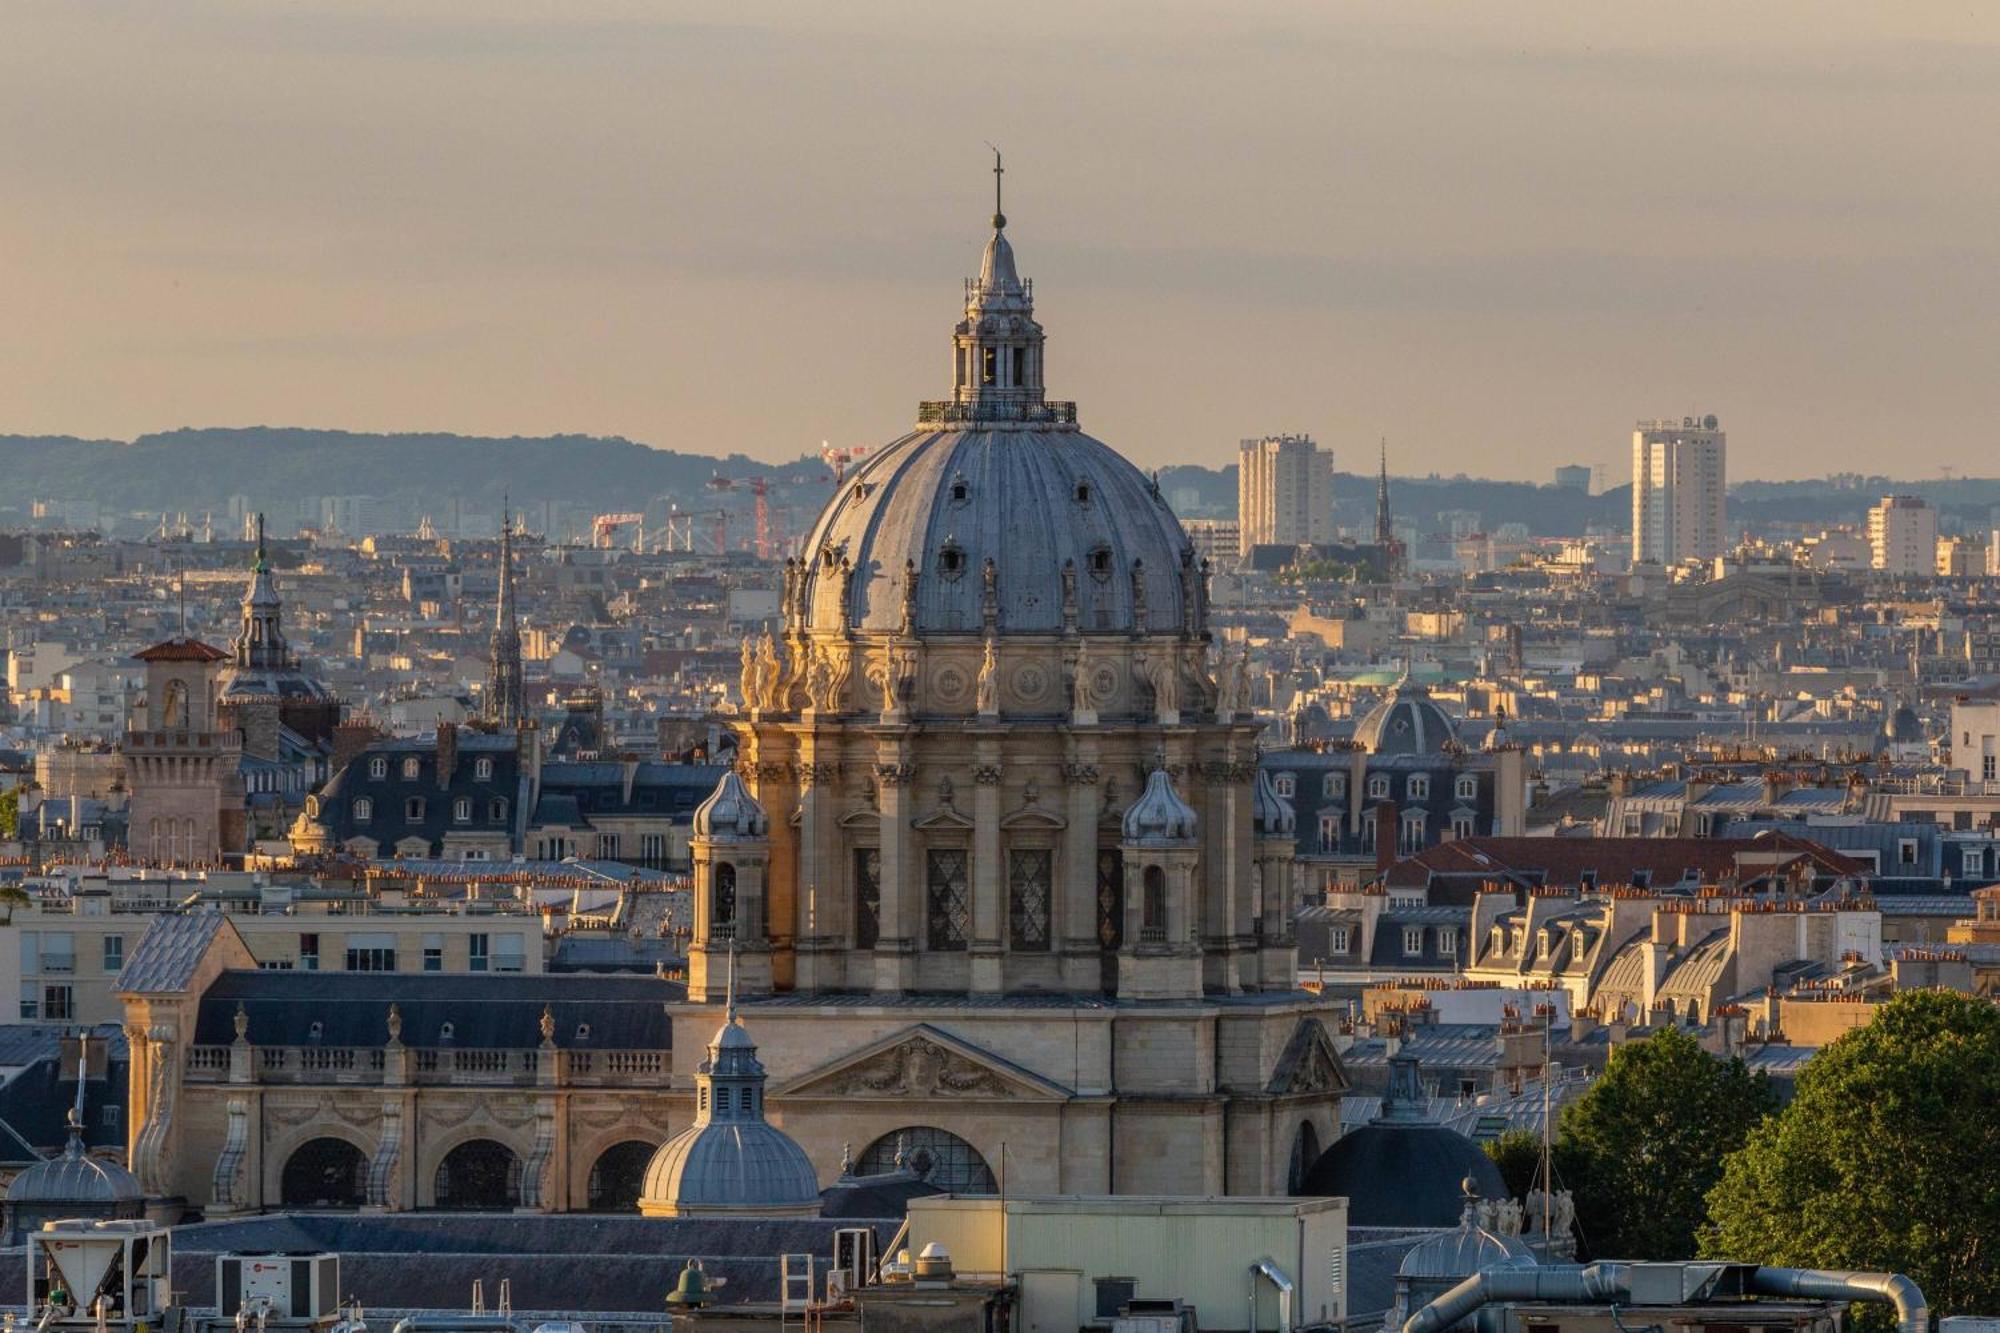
944,817
924,1062
863,818
1033,817
1309,1064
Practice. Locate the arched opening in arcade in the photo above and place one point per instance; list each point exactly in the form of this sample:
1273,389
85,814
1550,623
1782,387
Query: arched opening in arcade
1305,1151
938,1156
324,1173
617,1177
479,1175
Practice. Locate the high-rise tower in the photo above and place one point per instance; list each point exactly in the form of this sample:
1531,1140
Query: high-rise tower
503,667
1678,480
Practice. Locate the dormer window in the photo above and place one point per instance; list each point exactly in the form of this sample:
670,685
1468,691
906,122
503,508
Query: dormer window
1378,787
1284,784
411,768
1100,562
1468,788
482,770
951,560
1083,492
364,809
1420,788
960,492
378,768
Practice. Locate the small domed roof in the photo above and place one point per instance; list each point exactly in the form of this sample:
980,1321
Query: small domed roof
1159,815
1903,727
730,1160
1401,1170
1465,1250
1270,812
75,1178
1407,722
731,812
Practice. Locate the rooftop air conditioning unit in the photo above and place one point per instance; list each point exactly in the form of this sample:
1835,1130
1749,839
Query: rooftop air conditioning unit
285,1287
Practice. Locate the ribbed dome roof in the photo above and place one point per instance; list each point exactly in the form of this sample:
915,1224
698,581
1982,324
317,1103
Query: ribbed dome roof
730,1160
731,812
1466,1249
1407,722
944,503
75,1177
1272,813
1159,815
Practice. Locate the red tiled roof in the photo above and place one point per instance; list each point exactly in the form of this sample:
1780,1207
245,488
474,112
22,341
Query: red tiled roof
1563,862
180,650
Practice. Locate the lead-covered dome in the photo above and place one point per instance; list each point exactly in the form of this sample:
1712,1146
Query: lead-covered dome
997,513
1032,503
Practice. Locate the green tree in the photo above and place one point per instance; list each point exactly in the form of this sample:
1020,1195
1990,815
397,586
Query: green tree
1518,1154
10,812
1888,1158
1644,1146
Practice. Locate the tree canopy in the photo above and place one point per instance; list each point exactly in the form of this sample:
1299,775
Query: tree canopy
1888,1159
1642,1148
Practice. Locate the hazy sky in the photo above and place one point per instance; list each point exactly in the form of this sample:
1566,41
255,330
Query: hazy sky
1494,232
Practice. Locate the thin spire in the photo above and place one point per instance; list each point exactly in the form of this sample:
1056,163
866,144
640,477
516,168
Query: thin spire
1385,531
82,1068
261,563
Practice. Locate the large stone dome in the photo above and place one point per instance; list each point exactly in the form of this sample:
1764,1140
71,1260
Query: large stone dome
946,502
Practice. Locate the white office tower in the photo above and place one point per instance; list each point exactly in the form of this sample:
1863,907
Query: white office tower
1284,492
1903,534
1678,476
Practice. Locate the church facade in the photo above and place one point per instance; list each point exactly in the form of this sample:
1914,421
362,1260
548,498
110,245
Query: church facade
997,865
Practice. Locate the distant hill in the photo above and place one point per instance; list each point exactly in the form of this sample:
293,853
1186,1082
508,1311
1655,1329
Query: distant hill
200,469
196,470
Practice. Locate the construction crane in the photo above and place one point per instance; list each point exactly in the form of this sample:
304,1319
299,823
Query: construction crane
604,525
760,487
838,459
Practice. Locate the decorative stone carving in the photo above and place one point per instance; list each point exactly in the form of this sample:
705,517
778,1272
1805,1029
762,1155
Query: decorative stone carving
895,775
987,775
1080,775
921,1067
989,676
748,681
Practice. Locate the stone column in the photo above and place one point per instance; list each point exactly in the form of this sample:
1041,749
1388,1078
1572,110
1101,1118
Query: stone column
989,873
902,887
1073,914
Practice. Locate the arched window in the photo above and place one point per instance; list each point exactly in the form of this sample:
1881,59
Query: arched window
1286,784
1333,785
1153,904
479,1174
482,770
1420,787
617,1177
1378,787
722,908
936,1155
496,810
411,768
324,1173
461,810
174,708
378,768
1305,1151
1468,788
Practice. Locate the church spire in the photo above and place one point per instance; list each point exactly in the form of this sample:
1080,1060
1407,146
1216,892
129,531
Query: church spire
1385,531
503,667
260,644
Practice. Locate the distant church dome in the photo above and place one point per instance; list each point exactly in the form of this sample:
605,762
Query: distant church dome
997,510
730,1161
1903,727
1401,1170
1406,723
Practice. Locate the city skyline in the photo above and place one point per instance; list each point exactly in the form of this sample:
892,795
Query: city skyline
1496,239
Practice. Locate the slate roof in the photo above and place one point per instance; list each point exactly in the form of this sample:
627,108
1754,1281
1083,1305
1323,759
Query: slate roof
181,650
574,1263
1563,862
489,1011
170,951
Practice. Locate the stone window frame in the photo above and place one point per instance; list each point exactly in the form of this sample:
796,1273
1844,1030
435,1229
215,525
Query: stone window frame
947,900
1044,849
